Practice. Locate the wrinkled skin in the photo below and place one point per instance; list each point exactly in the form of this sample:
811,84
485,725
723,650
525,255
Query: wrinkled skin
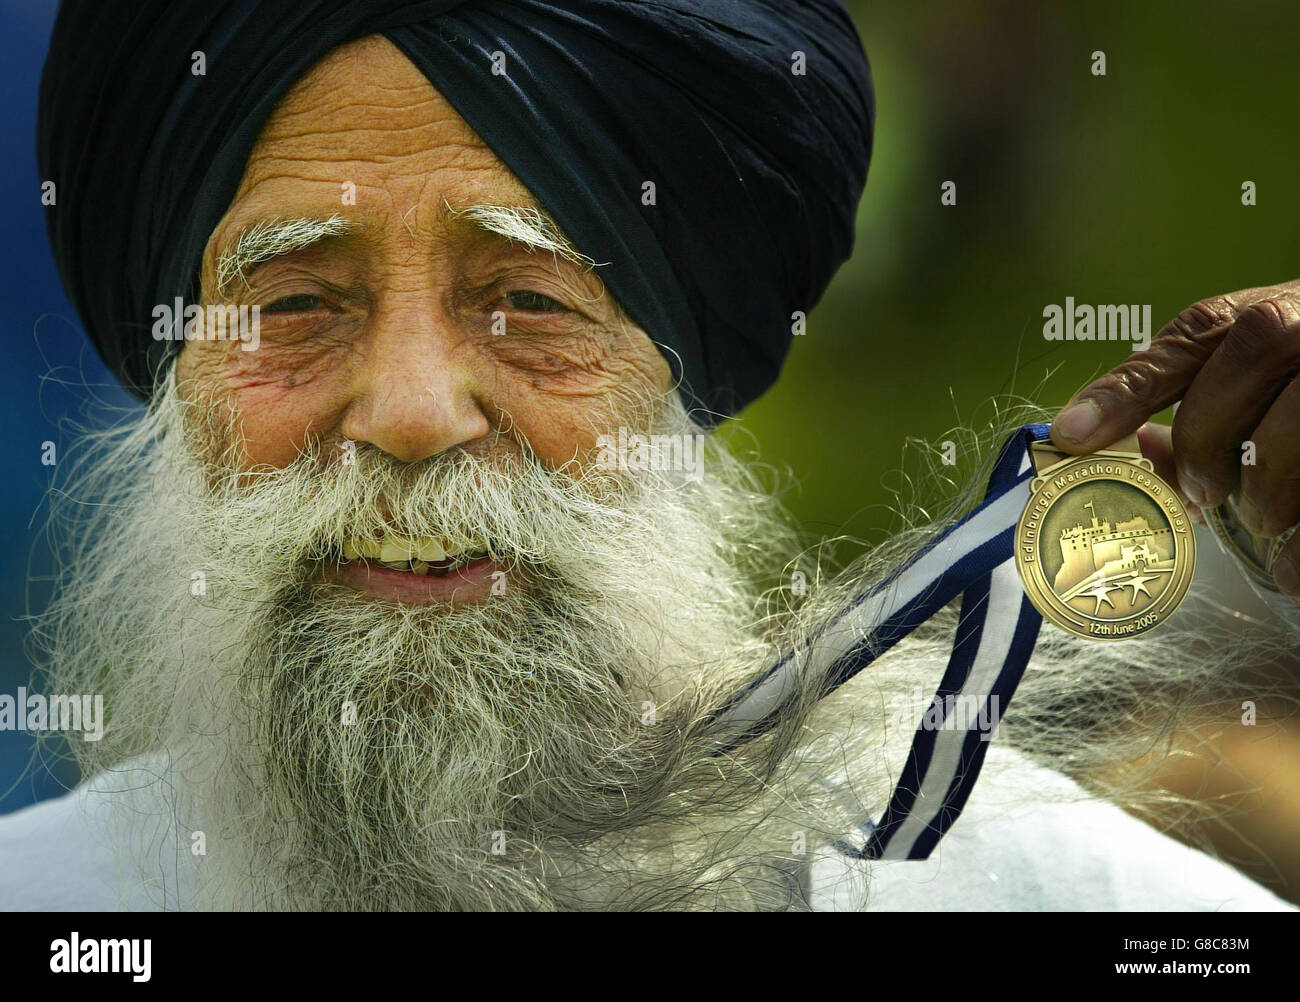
384,335
1230,360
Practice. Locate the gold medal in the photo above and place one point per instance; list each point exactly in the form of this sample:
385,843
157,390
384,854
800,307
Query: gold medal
1104,547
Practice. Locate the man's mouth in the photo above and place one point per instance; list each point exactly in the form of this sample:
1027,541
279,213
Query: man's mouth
420,555
418,568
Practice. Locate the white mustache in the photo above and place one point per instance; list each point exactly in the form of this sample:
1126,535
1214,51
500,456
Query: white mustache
510,507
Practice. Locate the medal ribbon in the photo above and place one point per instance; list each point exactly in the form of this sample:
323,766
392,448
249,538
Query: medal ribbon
996,631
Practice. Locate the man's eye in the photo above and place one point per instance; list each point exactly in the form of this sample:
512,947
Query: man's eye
533,302
302,302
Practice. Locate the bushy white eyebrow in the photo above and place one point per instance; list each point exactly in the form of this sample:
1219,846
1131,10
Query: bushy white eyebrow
526,225
272,238
522,224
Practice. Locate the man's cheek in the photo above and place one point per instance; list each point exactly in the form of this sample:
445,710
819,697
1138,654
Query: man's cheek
595,390
560,425
568,352
265,441
274,417
293,350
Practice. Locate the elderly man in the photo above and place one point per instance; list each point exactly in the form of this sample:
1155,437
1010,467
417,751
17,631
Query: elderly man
423,586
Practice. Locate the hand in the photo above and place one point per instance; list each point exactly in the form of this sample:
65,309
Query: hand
1232,361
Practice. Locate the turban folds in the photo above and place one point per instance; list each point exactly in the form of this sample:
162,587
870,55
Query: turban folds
753,119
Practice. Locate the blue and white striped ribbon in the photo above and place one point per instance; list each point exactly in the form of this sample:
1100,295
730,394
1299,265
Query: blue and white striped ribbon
996,632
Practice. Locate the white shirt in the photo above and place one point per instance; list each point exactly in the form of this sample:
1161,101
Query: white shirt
65,854
1029,840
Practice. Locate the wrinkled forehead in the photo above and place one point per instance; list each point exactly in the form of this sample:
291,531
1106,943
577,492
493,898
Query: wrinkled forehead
364,135
366,107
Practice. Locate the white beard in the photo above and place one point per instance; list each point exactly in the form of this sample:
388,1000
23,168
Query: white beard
342,751
545,749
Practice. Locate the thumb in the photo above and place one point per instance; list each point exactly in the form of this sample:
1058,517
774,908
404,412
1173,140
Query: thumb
1146,382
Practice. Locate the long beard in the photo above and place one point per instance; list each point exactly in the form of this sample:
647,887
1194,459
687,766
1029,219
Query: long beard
549,748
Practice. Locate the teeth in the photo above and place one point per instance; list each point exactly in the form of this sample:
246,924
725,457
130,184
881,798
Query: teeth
366,548
430,549
393,552
398,549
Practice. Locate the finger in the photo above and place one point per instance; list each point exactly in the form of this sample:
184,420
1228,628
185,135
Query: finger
1231,395
1156,441
1286,571
1269,502
1147,381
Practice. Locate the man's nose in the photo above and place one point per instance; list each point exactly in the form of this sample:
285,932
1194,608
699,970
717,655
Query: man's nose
416,392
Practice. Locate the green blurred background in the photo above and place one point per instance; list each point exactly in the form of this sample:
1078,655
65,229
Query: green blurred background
1123,188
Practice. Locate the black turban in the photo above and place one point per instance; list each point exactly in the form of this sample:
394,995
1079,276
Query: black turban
752,117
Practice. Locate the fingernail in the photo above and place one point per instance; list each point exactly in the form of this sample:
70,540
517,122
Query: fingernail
1193,488
1079,421
1284,573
